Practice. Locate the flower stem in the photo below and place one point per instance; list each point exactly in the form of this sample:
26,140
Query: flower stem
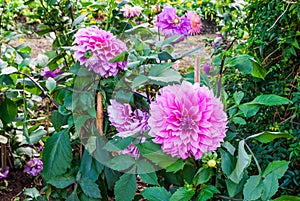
255,159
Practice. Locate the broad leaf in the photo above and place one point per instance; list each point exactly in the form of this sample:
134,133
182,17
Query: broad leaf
58,120
203,175
57,155
118,143
50,84
271,186
270,100
78,20
248,109
73,197
276,167
123,56
239,120
154,153
238,96
62,181
121,162
242,162
233,188
8,70
156,194
146,172
8,110
207,192
90,168
138,81
182,194
267,136
253,188
287,198
227,162
90,188
125,187
175,167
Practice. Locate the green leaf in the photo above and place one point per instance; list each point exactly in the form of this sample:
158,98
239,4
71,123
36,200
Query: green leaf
164,56
156,194
8,110
121,162
253,188
238,97
90,188
50,84
123,56
118,143
146,172
270,100
276,167
164,73
32,192
58,120
36,135
175,167
287,198
167,42
125,187
51,2
227,162
233,188
8,70
62,181
203,175
239,120
182,194
247,65
78,20
266,136
248,109
154,153
138,81
90,168
207,192
73,197
242,162
57,155
270,186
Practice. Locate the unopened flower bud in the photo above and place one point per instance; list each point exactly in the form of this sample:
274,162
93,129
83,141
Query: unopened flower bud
211,163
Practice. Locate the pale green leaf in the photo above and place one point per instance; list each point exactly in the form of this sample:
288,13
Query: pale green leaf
239,120
253,188
121,162
270,100
90,188
146,172
287,198
8,70
271,186
203,175
182,194
266,136
276,167
62,181
238,96
50,84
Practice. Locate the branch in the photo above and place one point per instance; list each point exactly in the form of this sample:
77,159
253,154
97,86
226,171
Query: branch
279,17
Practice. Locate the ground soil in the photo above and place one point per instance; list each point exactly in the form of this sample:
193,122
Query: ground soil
12,187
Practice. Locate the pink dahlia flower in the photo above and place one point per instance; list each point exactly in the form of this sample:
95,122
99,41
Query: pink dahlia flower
130,12
195,22
172,25
128,122
94,49
187,120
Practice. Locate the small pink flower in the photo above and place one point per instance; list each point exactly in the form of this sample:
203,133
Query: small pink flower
195,22
95,47
129,11
187,120
128,122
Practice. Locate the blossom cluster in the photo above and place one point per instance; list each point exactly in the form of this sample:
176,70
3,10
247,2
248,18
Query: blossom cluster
95,48
187,120
171,25
34,166
128,122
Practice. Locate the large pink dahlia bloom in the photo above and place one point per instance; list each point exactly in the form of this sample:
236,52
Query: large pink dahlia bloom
195,22
128,122
187,120
95,47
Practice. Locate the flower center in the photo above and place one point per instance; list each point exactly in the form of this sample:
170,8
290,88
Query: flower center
186,123
176,21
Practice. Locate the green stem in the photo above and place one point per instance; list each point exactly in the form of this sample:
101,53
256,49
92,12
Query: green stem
255,159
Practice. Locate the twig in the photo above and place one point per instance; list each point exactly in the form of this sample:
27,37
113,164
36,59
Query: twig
279,16
263,62
227,198
40,87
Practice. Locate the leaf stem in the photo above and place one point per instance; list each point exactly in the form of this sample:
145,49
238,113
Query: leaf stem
255,159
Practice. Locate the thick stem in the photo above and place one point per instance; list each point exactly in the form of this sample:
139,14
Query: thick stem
99,113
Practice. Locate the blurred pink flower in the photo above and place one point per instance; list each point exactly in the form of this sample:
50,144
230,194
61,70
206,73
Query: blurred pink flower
187,120
128,122
95,47
195,22
129,11
172,25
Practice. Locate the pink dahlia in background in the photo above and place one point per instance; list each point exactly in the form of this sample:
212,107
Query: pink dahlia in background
195,22
187,120
128,122
172,25
95,47
129,11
